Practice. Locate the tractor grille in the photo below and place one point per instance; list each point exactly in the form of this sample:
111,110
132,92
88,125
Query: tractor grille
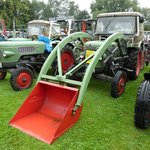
26,49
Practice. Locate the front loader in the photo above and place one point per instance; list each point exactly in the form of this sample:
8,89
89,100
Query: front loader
56,102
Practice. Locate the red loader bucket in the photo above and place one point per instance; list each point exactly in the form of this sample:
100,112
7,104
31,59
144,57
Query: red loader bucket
47,111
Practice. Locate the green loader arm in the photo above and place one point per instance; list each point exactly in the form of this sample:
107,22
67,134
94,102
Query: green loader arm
62,79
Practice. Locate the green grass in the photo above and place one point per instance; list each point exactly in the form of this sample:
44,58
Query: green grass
105,123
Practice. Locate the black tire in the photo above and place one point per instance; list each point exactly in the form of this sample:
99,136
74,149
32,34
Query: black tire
133,63
142,106
118,84
21,78
3,75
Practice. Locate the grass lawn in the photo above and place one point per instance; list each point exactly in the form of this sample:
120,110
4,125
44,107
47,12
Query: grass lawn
105,123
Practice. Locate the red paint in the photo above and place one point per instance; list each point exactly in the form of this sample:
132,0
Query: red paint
138,67
83,26
67,60
121,85
47,111
24,79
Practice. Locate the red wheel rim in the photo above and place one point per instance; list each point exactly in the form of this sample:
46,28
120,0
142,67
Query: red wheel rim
24,79
67,60
121,85
138,67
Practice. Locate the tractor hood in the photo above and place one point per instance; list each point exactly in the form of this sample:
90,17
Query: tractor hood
12,51
16,44
18,39
93,45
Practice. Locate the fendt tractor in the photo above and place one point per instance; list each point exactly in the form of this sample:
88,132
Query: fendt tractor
122,58
23,57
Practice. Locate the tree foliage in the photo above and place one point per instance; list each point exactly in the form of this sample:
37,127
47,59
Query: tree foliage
23,11
82,14
103,6
146,14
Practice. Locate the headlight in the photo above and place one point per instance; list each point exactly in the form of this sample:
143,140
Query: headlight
4,55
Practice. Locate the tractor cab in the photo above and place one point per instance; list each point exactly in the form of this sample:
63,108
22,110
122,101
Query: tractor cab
86,25
35,28
129,23
65,24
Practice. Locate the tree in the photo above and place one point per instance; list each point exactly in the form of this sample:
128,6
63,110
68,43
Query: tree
73,8
103,6
15,10
146,14
82,14
37,9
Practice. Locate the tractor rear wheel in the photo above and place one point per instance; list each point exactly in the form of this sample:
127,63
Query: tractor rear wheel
3,75
134,63
67,60
118,84
21,78
142,106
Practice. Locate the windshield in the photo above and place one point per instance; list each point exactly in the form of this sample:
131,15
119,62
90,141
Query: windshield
36,29
110,25
56,29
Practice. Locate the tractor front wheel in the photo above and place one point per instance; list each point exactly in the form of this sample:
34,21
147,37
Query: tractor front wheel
3,75
21,78
118,84
142,106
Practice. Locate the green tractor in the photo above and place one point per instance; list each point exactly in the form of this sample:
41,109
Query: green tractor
23,57
123,58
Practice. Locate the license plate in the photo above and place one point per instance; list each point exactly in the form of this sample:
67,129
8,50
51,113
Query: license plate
0,65
88,53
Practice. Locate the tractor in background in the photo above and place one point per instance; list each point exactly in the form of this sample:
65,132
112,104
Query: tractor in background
147,46
70,25
35,28
23,57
